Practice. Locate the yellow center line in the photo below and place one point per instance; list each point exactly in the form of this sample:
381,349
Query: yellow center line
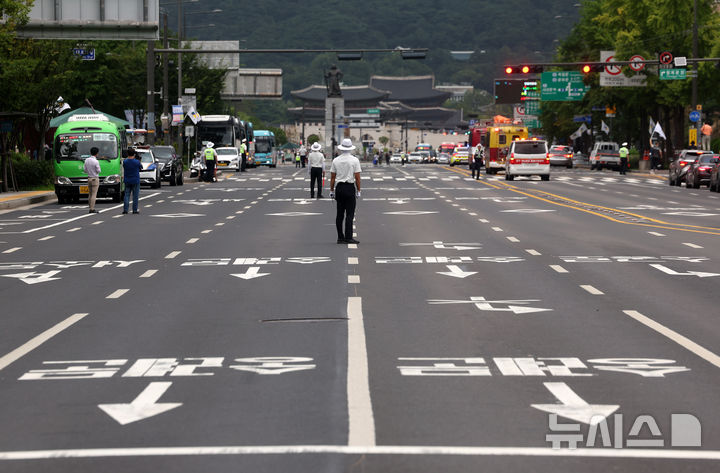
658,223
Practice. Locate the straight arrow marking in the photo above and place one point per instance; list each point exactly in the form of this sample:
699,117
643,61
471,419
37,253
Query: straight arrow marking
251,273
456,272
143,406
672,272
574,407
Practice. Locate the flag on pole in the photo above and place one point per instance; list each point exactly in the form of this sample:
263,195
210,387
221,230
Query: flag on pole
658,129
651,128
194,116
604,128
578,133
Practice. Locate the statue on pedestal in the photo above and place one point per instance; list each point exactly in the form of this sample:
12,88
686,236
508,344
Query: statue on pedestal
332,81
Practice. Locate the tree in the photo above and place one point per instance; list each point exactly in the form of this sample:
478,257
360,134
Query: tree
15,13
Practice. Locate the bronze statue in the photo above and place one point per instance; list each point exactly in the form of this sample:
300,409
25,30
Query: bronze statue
332,81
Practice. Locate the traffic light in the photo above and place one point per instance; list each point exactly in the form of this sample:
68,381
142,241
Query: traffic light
587,68
351,56
523,69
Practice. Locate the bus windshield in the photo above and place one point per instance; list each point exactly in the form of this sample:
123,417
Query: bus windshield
76,146
220,135
262,145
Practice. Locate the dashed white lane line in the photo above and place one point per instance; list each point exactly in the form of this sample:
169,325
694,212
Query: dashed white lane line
192,240
592,290
119,216
49,237
497,229
12,250
149,273
657,234
352,246
482,220
681,340
361,421
513,239
353,279
692,245
352,260
73,229
220,224
558,268
97,223
472,214
240,212
230,217
172,254
35,342
117,294
533,252
206,231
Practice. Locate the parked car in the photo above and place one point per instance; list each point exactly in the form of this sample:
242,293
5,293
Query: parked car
229,157
444,158
679,166
527,158
714,184
605,154
415,157
171,166
150,173
699,171
396,158
561,156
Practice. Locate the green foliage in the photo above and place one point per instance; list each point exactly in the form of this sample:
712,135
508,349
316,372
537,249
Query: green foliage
31,173
312,139
14,13
280,136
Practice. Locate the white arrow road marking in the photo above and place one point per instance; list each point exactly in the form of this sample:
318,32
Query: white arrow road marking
574,407
302,202
527,211
444,246
486,305
251,273
144,406
411,212
294,214
672,272
456,272
179,215
33,277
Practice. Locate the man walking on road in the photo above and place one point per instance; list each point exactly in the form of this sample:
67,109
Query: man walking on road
132,167
624,158
210,156
345,169
316,166
92,168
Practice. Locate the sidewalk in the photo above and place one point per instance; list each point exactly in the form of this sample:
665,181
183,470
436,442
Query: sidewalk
12,200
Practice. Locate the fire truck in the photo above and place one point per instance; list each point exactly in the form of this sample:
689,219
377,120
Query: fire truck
496,137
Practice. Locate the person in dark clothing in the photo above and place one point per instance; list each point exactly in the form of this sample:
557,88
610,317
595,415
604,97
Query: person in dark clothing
131,167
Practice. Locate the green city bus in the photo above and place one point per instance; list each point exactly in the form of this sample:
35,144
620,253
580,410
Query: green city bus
71,146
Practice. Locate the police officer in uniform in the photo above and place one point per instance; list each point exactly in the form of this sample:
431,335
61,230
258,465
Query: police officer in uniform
316,166
243,154
210,156
345,170
624,158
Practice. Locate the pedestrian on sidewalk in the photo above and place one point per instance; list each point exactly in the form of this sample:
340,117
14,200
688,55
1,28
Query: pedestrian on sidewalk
316,169
655,157
624,151
92,169
706,133
345,169
131,167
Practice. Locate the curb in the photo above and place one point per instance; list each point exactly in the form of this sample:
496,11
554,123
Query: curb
29,200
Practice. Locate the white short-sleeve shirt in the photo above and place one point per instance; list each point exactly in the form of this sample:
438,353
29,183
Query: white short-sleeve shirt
344,167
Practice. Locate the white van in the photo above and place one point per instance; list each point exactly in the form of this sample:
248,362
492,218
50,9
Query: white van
605,154
528,158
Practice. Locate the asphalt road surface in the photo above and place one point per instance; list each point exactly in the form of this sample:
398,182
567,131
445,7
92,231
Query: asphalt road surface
569,325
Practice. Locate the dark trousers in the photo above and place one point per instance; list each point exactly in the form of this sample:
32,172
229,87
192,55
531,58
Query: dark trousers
316,175
210,172
623,165
243,163
345,197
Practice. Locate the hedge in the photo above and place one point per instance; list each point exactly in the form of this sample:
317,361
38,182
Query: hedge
31,173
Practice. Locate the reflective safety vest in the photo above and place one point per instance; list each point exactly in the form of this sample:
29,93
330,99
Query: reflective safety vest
623,152
297,157
209,154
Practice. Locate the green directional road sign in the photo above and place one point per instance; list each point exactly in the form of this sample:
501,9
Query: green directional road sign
562,86
373,111
673,74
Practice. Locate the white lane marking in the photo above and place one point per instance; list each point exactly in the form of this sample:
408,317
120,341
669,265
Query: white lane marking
352,246
35,342
73,229
143,406
192,240
657,234
513,239
172,254
482,220
149,273
12,250
117,294
361,423
497,229
206,231
692,245
353,279
416,450
533,252
473,214
119,216
592,290
220,224
352,260
681,340
558,268
240,212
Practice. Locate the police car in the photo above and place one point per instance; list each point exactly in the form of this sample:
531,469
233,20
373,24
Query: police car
528,158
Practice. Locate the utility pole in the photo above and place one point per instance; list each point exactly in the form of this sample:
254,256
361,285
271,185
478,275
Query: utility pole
150,107
695,70
180,91
166,81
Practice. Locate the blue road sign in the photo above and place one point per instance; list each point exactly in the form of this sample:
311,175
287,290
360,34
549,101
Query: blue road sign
85,54
695,116
582,118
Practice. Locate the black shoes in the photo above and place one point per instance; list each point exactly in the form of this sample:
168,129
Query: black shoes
93,211
341,241
136,212
124,212
351,240
320,197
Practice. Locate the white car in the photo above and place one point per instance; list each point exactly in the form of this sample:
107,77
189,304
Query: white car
415,157
396,158
229,157
528,158
444,158
151,172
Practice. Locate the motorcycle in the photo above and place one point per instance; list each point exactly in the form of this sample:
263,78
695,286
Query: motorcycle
197,168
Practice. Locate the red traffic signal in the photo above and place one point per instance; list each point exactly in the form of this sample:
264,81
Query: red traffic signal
523,69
